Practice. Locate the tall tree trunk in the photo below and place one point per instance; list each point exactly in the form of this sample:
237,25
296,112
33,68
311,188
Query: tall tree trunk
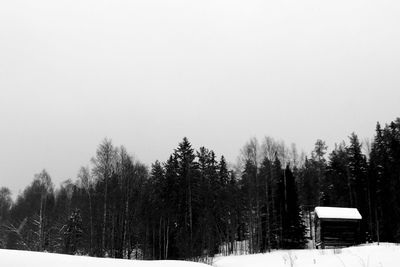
159,239
350,188
103,236
190,214
91,224
267,215
126,219
369,206
274,205
41,223
167,242
285,190
258,219
112,253
154,244
377,223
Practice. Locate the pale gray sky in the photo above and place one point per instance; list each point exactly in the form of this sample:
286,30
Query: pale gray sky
146,73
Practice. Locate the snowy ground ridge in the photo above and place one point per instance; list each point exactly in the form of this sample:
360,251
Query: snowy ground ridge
20,258
371,255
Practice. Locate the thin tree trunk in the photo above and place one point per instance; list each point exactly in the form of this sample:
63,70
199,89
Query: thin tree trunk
41,225
258,221
126,222
146,236
190,215
267,216
154,244
349,186
369,205
284,184
377,223
91,223
166,246
113,237
159,239
273,204
103,236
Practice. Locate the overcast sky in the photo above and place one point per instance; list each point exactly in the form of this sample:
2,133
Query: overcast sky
147,73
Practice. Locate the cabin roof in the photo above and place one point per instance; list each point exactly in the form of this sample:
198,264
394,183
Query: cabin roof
338,213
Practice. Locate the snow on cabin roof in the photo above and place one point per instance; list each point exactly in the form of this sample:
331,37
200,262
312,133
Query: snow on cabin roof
337,213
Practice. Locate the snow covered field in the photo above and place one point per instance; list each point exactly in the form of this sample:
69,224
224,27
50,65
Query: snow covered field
384,255
18,258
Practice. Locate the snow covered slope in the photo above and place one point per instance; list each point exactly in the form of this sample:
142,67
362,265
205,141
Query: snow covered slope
384,255
19,258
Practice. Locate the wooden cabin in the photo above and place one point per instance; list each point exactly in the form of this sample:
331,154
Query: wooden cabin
336,227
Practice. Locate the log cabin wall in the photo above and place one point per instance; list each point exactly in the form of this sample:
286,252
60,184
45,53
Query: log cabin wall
339,233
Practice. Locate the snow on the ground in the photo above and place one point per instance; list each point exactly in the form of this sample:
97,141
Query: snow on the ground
19,258
384,255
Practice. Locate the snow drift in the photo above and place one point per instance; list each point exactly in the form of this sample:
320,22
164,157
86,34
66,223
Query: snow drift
384,255
19,258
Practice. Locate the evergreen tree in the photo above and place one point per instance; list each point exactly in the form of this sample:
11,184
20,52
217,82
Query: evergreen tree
224,212
187,173
357,165
73,232
384,172
278,201
266,206
293,226
172,200
338,189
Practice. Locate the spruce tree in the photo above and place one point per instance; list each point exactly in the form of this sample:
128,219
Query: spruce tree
337,178
293,226
187,173
266,206
73,232
357,165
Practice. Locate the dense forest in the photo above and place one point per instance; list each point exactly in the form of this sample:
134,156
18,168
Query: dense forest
195,204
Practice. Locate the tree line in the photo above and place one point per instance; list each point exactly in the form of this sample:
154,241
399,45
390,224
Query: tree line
195,204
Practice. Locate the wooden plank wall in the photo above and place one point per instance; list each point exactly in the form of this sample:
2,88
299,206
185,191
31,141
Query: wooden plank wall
339,233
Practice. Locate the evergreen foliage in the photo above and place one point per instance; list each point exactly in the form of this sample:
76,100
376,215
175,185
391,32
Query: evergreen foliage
73,233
